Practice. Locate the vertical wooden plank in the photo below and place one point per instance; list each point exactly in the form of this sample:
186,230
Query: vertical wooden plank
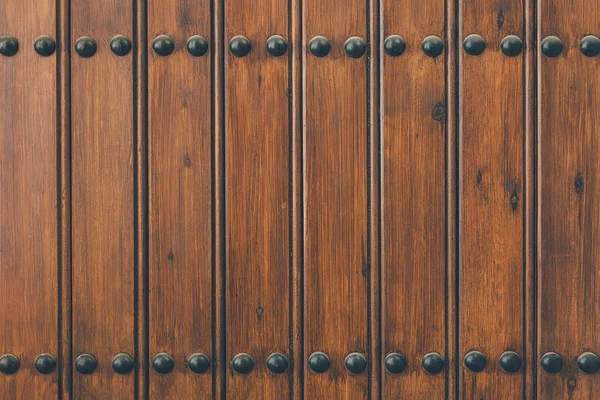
569,199
180,198
335,198
103,199
29,195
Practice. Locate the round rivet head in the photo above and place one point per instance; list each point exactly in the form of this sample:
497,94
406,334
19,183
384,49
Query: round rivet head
355,47
319,362
242,363
590,46
8,46
86,364
240,46
9,364
45,46
197,46
552,46
199,363
122,364
394,45
86,47
588,363
511,46
319,46
475,361
277,363
276,46
45,364
163,363
395,363
120,45
432,363
355,363
551,363
474,45
432,46
163,45
510,362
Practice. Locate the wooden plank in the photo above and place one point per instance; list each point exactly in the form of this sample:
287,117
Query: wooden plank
257,143
569,199
103,199
336,260
180,198
29,195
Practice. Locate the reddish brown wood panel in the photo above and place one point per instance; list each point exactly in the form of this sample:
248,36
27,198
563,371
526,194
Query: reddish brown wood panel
414,200
569,199
102,199
28,200
180,198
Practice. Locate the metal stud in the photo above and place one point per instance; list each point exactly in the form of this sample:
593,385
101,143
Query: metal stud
122,364
163,45
590,46
432,46
86,364
45,46
8,46
86,47
588,363
9,364
240,46
197,46
242,363
432,363
277,363
319,46
355,47
199,363
45,364
163,363
355,363
511,46
551,362
394,45
474,45
319,362
276,46
395,363
510,362
120,45
552,46
475,361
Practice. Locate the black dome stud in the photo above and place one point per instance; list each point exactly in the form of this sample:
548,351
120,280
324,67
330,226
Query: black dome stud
355,363
551,363
242,363
511,45
122,364
45,46
474,45
355,47
277,363
319,46
86,364
510,362
276,46
394,45
475,361
45,364
590,46
163,363
588,363
551,46
86,47
197,46
433,363
395,363
163,45
9,364
240,46
8,46
319,362
199,363
432,46
120,45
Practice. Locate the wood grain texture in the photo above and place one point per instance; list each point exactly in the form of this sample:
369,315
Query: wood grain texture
491,194
335,199
180,198
568,202
414,200
103,199
29,195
